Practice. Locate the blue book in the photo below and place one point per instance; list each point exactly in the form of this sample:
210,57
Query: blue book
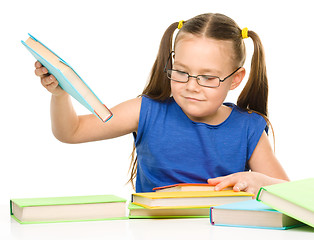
251,214
68,79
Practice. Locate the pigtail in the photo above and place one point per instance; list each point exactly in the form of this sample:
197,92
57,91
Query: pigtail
158,86
254,96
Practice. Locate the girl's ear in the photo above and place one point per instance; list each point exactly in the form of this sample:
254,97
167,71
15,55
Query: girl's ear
237,79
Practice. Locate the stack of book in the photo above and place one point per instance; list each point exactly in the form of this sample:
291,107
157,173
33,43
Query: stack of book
279,206
175,202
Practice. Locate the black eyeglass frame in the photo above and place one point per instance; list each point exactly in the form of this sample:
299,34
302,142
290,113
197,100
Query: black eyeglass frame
196,77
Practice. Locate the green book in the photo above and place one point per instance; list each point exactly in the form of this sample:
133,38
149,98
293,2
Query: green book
68,209
295,199
136,211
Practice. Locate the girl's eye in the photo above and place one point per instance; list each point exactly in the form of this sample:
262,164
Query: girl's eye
181,73
207,78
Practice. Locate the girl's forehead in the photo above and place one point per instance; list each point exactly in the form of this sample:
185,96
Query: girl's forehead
199,50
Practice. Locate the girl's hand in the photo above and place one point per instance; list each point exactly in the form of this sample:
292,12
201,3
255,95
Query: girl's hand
244,181
48,80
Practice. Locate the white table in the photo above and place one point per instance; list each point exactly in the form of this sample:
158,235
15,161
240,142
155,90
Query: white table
146,229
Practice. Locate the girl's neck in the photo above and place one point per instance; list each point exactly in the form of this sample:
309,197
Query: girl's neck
219,117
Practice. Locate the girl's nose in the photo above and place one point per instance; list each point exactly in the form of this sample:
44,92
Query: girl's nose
192,84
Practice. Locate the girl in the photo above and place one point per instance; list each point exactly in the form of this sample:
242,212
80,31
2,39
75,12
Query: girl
183,130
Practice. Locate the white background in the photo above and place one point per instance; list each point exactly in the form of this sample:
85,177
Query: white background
112,45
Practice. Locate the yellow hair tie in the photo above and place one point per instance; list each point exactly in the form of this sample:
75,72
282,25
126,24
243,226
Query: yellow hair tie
245,33
180,25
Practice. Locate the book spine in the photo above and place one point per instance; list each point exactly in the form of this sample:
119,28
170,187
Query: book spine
259,194
11,207
211,216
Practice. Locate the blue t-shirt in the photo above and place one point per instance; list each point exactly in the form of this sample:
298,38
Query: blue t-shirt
172,149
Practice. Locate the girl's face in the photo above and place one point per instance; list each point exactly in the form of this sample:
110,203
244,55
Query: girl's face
204,56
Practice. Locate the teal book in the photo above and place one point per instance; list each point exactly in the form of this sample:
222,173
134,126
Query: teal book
251,214
295,199
68,209
136,211
68,79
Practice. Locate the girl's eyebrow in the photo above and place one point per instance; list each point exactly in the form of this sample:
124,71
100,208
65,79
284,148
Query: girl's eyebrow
204,70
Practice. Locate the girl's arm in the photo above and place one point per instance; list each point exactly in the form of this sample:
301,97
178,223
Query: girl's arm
68,127
266,170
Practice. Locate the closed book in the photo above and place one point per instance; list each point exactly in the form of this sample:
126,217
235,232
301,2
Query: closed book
252,214
295,199
136,211
68,209
187,187
188,199
68,79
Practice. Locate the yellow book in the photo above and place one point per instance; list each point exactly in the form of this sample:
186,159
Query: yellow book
189,199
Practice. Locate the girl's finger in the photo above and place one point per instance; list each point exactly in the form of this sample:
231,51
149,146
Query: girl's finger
52,86
230,181
240,186
48,80
38,64
41,71
215,181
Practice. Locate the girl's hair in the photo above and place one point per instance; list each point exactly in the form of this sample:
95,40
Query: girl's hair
220,27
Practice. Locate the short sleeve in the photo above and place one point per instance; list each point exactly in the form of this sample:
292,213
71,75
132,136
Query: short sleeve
257,125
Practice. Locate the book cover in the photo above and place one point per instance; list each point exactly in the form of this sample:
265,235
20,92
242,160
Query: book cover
136,211
251,214
68,79
187,187
68,209
188,199
295,199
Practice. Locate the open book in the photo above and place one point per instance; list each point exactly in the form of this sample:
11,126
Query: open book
68,79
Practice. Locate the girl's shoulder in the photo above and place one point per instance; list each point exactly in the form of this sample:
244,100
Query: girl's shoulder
250,118
149,103
243,112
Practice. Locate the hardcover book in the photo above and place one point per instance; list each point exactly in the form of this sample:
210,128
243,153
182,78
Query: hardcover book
68,79
68,209
136,211
187,187
207,199
252,214
295,199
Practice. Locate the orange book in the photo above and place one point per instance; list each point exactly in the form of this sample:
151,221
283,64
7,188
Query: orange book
187,187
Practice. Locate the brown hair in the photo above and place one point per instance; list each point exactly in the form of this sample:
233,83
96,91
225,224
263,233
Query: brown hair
220,27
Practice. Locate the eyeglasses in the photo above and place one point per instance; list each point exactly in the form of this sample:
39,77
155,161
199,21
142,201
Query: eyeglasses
203,80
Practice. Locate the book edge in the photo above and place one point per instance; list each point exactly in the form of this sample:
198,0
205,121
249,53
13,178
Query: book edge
63,221
21,205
